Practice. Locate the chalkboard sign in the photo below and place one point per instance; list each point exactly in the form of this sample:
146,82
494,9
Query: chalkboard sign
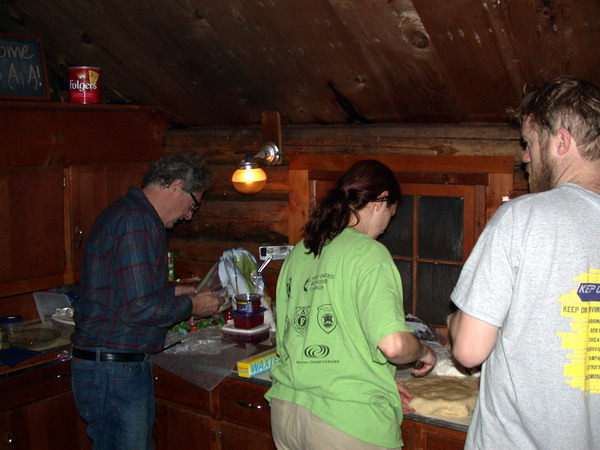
22,68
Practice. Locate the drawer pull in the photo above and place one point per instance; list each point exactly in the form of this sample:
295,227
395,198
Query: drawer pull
249,405
63,375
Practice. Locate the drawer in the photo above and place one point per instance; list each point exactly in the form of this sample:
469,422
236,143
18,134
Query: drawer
34,385
170,387
244,402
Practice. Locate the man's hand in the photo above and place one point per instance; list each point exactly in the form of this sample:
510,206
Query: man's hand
205,303
406,397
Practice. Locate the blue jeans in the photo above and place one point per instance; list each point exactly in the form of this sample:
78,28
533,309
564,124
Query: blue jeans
116,400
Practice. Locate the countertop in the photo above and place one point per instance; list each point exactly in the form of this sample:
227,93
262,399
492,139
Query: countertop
454,423
59,350
55,350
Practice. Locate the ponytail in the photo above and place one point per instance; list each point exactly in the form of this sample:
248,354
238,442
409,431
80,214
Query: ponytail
362,183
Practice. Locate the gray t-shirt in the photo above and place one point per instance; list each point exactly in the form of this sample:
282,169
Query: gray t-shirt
535,274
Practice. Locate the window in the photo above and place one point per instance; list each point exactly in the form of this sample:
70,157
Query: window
430,238
446,202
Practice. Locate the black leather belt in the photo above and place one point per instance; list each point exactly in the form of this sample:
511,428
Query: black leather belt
108,357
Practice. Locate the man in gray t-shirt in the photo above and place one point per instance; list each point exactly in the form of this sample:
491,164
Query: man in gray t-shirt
529,294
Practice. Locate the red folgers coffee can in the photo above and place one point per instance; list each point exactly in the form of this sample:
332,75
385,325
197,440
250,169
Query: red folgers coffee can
84,84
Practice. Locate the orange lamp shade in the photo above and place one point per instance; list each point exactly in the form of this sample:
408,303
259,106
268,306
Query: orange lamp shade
249,181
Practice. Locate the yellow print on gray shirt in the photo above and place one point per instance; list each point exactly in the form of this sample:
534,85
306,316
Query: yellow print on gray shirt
583,307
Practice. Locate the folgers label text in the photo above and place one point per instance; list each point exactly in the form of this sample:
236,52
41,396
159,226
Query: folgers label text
84,84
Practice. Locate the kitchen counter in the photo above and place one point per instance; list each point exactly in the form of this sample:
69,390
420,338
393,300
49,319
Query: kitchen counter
454,423
59,350
231,403
54,350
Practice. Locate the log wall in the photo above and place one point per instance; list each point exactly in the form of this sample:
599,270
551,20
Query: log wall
228,219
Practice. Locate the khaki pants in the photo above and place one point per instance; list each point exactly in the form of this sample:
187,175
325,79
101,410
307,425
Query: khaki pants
296,428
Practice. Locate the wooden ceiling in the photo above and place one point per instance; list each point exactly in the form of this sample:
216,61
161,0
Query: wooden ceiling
222,62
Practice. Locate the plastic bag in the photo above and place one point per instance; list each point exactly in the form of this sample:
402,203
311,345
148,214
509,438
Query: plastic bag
206,341
236,273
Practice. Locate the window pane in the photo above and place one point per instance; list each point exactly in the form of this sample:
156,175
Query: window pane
399,234
441,228
436,282
405,269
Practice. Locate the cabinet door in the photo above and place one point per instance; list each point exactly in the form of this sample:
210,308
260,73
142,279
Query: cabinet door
411,435
39,426
178,428
435,440
243,402
245,415
6,434
239,437
32,248
422,436
90,189
38,410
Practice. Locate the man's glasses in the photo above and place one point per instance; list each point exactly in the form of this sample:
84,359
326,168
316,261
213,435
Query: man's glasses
196,205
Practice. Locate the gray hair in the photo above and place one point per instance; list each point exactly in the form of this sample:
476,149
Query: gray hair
189,167
567,102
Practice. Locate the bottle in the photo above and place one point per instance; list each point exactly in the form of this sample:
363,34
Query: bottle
171,266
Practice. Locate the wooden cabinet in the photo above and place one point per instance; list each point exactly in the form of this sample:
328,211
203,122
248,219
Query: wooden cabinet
186,415
37,411
90,189
423,436
242,437
178,428
32,228
236,416
60,165
245,416
50,212
233,416
49,424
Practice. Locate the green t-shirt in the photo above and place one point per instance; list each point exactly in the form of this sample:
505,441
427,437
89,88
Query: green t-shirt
332,312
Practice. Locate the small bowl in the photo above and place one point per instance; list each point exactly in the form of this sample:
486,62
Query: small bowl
248,303
246,320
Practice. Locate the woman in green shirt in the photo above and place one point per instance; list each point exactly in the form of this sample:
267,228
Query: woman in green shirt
341,327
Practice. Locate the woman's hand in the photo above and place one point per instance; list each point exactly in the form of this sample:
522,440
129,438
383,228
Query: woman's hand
406,397
425,363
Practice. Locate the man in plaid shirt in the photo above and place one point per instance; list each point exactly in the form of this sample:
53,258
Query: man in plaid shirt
126,305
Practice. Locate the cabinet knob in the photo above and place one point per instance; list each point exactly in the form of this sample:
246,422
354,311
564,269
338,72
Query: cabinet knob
79,235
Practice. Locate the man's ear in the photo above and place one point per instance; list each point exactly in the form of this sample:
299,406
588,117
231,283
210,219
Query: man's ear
176,184
563,143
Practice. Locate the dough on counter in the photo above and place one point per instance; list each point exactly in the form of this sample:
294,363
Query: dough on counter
442,395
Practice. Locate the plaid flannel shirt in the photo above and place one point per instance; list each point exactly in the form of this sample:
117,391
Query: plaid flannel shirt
125,302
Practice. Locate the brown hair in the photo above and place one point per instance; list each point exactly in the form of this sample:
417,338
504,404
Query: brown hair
362,183
567,102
